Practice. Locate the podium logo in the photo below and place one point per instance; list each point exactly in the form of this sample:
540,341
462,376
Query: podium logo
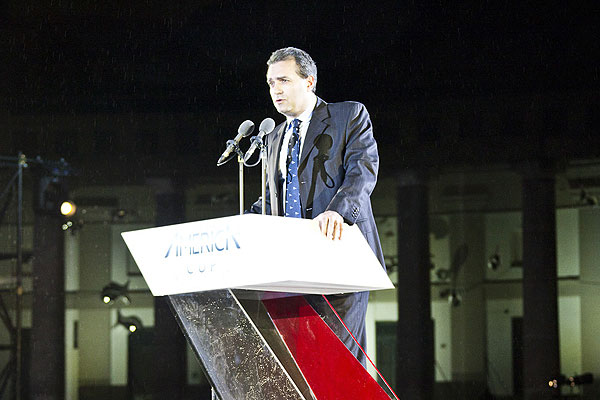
202,243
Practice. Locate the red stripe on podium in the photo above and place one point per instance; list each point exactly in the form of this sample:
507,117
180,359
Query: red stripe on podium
332,372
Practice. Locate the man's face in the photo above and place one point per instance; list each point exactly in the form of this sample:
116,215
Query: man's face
291,94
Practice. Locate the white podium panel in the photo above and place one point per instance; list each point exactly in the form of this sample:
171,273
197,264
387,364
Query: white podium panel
255,252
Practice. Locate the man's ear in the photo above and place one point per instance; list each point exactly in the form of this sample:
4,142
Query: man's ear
310,82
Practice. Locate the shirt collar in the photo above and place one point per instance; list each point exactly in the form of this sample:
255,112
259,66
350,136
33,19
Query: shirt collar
305,116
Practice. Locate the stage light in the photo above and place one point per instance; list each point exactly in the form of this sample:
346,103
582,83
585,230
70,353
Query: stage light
494,261
72,226
442,274
68,208
131,322
455,299
582,379
587,199
572,381
113,291
119,214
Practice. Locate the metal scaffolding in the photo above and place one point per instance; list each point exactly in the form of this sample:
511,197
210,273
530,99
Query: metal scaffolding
10,375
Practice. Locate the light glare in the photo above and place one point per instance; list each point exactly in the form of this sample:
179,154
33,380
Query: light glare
68,208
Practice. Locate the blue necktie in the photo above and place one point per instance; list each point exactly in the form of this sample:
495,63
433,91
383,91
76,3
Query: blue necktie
292,188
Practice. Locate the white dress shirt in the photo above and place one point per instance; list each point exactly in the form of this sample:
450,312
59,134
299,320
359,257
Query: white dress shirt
304,122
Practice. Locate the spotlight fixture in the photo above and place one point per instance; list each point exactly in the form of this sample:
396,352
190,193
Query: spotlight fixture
582,379
131,322
113,291
68,208
454,298
72,226
67,225
572,381
119,214
494,261
442,274
587,199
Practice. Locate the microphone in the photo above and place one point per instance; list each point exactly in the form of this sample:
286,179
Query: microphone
244,130
266,127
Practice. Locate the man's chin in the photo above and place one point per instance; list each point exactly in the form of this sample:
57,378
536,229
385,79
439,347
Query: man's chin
282,110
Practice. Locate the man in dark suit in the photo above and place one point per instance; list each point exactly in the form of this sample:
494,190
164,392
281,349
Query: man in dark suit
336,170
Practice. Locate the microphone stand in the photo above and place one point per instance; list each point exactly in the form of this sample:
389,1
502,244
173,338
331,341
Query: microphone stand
263,175
241,177
240,158
258,140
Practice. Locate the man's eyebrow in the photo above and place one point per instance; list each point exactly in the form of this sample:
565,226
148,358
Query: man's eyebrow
277,78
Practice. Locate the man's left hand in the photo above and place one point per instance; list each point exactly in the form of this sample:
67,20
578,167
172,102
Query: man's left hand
330,223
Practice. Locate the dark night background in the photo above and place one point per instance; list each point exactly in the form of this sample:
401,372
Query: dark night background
208,58
130,91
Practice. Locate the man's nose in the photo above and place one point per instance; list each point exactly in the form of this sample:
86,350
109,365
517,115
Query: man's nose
276,89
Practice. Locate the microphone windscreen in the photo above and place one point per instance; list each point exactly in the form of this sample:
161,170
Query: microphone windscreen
246,128
267,125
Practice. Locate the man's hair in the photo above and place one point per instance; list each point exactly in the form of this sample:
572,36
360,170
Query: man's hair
304,63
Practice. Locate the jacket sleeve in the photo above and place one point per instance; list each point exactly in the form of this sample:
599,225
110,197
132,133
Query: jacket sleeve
360,164
256,207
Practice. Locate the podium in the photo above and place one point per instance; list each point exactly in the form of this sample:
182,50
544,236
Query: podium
235,285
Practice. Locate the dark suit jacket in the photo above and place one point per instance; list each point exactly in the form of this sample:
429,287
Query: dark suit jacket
337,171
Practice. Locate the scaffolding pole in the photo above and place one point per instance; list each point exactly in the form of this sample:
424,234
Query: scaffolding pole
12,372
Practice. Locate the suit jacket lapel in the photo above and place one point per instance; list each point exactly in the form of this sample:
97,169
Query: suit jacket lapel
273,168
276,144
318,123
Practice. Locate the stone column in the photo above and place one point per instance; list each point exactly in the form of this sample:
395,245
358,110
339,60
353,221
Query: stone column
47,368
414,364
169,341
541,358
